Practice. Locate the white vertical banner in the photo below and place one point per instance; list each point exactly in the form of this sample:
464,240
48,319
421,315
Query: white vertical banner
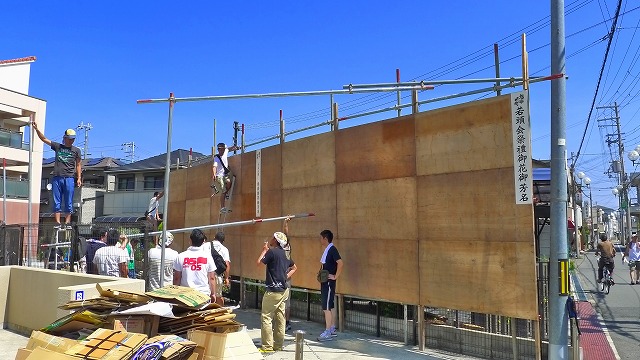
521,132
258,176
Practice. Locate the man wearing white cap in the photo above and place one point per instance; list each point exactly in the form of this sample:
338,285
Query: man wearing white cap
278,270
155,266
68,162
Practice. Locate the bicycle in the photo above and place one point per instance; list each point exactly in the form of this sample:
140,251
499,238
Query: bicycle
607,280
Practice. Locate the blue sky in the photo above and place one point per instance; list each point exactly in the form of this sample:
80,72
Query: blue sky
95,59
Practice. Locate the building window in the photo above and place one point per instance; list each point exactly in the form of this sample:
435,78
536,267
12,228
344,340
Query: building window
153,182
126,183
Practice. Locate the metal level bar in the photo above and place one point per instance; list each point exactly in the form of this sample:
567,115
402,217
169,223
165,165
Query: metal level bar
285,94
263,140
432,82
493,88
229,224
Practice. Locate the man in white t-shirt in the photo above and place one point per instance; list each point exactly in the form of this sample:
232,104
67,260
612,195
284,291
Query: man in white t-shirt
111,260
220,173
195,268
155,267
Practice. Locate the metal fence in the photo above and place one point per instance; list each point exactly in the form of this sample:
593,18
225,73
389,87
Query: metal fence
477,334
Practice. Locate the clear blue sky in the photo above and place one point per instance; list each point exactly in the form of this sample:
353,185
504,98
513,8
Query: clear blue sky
95,59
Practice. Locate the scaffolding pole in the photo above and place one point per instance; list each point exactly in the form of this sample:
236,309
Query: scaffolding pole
222,225
295,93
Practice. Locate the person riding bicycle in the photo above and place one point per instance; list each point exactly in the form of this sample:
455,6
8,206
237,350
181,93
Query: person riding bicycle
607,252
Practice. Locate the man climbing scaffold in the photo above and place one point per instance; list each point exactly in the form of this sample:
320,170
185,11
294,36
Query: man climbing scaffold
221,177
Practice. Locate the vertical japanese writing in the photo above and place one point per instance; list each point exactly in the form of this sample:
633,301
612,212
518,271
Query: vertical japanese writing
258,176
521,131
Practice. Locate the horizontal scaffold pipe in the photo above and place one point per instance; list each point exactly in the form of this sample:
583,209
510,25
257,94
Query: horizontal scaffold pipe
229,224
437,82
285,94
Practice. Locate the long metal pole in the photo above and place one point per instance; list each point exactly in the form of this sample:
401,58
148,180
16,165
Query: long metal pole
398,95
435,82
558,316
285,94
496,57
31,179
167,170
624,196
228,224
4,190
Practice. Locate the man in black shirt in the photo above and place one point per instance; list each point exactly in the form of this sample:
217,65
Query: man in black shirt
278,269
332,262
68,163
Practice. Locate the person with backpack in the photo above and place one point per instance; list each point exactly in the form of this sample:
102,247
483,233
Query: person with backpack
220,173
221,258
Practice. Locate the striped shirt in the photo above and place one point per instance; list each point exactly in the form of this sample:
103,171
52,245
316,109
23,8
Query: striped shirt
108,258
155,254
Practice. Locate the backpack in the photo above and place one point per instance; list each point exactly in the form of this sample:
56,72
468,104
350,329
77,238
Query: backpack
221,265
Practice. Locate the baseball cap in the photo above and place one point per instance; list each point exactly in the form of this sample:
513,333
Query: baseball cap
169,239
70,134
281,238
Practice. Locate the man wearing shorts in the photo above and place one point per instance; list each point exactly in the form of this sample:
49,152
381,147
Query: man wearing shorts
332,262
632,253
220,173
68,163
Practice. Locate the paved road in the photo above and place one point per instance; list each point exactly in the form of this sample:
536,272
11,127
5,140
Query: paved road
620,309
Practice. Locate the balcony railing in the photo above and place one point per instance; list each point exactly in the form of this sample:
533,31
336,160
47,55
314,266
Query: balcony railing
16,188
12,139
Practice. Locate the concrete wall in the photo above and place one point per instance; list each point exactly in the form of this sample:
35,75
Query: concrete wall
128,203
33,295
15,76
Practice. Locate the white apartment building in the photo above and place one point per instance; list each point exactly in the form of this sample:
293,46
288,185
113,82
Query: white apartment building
16,108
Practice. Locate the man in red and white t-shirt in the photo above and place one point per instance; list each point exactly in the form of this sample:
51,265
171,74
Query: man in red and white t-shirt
195,268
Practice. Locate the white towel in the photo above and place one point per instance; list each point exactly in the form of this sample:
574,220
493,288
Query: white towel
323,259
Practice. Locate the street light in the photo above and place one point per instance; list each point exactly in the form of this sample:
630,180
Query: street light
615,192
633,155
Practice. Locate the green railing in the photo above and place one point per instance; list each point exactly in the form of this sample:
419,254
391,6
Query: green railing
16,189
12,139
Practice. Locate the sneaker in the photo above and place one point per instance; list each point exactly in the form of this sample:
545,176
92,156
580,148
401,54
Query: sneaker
58,227
266,351
325,336
287,327
223,210
333,331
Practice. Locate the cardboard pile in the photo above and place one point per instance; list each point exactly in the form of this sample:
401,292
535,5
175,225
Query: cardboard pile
121,325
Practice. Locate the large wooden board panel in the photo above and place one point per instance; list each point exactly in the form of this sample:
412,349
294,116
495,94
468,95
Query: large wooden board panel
380,268
485,207
320,200
247,173
178,185
198,182
381,209
197,212
176,221
381,150
486,277
468,137
309,162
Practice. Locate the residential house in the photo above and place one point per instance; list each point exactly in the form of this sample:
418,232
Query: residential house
16,108
135,183
88,201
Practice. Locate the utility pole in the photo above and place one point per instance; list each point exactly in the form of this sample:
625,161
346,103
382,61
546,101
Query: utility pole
130,149
625,223
559,258
86,127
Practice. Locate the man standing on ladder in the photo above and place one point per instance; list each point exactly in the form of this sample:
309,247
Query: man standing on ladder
221,176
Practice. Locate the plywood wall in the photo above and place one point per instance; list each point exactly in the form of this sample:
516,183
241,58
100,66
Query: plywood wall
422,208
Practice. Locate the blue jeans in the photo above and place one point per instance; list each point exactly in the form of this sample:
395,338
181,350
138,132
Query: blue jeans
63,193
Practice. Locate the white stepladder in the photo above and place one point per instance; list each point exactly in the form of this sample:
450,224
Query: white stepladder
228,197
53,248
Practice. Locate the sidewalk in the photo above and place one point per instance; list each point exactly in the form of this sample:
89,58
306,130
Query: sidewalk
348,345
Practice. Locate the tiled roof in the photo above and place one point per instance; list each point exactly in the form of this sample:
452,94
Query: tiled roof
158,162
18,60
